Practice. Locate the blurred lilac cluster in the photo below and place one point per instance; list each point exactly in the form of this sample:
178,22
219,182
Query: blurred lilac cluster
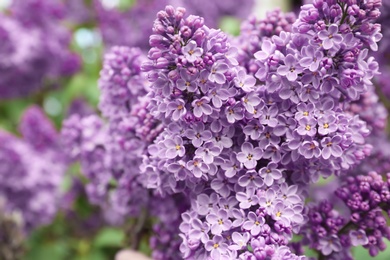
32,168
34,47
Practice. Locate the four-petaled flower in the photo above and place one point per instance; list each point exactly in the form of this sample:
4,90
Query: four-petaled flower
249,155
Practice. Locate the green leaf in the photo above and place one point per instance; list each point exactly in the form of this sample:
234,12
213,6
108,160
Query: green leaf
109,237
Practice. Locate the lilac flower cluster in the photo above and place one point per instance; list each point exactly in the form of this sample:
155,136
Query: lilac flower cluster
32,169
28,56
254,31
363,223
242,152
132,27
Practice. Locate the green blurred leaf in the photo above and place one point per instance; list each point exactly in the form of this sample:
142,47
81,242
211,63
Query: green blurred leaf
361,253
109,237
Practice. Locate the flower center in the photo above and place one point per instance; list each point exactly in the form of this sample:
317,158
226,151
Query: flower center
250,156
178,147
326,125
308,127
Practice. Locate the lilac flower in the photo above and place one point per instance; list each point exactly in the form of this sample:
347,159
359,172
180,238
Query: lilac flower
207,152
234,113
253,224
330,38
219,94
201,107
331,147
219,221
199,230
330,244
197,167
174,147
270,173
217,72
244,81
249,155
268,200
231,166
291,68
239,241
282,213
251,101
310,149
269,116
253,129
250,179
187,81
311,58
178,108
206,203
191,51
358,237
216,246
247,199
197,134
327,124
307,126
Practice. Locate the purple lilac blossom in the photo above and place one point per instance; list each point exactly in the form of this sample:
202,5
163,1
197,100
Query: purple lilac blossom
297,149
32,169
28,55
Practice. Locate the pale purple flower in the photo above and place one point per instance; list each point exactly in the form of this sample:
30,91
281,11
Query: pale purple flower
269,116
247,198
253,129
191,51
250,179
207,152
268,200
187,81
178,108
197,134
254,223
304,110
216,246
307,126
219,221
234,113
222,185
205,203
199,230
327,245
249,155
240,241
327,124
289,194
331,147
267,49
284,124
231,166
203,81
268,137
219,94
291,68
251,101
217,72
281,212
244,81
202,107
270,173
197,167
310,149
175,147
358,237
311,58
330,37
273,152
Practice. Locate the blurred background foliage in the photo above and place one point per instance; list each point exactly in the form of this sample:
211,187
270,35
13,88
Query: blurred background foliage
65,238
